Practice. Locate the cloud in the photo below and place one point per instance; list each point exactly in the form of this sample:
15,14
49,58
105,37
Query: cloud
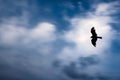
89,61
72,71
44,31
107,8
15,34
29,51
77,56
26,50
12,8
79,34
56,63
38,39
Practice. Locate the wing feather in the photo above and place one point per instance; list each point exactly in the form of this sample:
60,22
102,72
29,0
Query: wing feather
93,41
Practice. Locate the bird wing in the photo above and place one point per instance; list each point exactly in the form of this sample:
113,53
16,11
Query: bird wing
93,31
93,41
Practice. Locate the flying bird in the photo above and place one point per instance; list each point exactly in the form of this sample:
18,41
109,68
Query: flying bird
94,36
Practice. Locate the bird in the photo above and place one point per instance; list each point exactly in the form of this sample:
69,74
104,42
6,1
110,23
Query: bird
94,36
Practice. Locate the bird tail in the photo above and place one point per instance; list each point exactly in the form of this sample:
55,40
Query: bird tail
99,37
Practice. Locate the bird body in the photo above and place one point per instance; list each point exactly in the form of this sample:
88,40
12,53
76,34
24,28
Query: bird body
94,36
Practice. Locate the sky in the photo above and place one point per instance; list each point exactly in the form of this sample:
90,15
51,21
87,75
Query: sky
50,40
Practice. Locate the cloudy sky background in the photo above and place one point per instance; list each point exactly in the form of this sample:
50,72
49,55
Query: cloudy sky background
50,40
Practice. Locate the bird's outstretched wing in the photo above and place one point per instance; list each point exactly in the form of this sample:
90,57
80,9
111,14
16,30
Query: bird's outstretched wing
93,32
93,41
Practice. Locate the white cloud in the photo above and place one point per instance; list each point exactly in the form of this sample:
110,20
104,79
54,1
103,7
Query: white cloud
80,34
106,8
10,34
43,32
14,34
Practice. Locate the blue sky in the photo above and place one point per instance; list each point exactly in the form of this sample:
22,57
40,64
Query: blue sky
50,40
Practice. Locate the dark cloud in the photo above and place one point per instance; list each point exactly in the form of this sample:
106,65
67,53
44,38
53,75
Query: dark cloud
56,63
70,71
74,73
14,72
12,8
89,61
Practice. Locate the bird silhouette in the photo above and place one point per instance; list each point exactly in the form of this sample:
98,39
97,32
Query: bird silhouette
94,37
